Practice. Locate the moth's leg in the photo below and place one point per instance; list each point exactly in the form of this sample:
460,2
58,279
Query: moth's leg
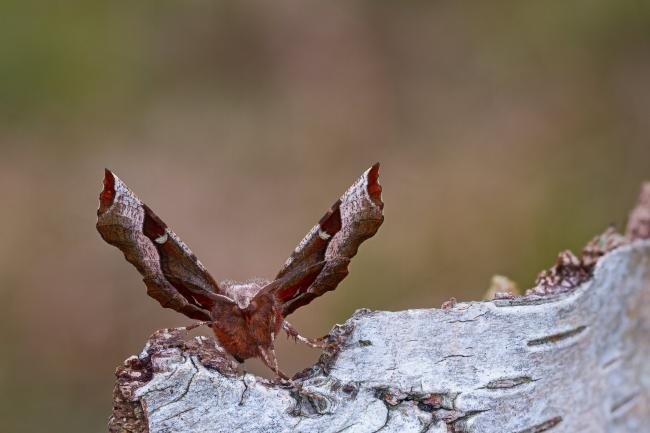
316,343
182,330
269,358
197,324
186,329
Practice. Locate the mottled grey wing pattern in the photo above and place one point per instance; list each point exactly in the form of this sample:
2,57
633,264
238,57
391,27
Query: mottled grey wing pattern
320,261
172,273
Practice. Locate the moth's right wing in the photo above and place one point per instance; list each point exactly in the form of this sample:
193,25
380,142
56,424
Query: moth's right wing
172,273
320,262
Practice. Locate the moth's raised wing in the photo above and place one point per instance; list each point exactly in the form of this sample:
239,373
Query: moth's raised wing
320,261
172,273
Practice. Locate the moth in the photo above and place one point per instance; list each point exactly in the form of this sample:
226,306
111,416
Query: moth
245,317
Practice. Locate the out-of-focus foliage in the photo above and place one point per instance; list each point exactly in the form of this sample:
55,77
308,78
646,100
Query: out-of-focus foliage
507,132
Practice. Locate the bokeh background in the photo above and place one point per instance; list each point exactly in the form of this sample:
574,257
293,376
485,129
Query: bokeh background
507,131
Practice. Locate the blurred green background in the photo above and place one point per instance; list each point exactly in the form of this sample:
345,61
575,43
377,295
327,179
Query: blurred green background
507,131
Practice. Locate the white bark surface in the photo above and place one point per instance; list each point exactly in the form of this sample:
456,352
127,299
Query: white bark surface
574,362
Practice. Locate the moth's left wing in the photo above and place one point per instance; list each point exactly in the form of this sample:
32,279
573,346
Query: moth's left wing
172,273
320,261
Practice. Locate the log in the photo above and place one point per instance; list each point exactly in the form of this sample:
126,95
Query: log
569,356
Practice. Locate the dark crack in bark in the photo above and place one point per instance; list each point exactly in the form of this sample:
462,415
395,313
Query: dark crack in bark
453,356
546,425
552,339
458,424
624,404
185,391
506,383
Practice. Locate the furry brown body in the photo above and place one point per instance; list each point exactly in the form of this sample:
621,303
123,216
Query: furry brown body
247,332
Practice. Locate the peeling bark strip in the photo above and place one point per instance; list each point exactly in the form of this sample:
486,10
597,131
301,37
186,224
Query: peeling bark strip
575,360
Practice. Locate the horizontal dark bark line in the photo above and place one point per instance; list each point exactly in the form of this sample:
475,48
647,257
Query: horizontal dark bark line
554,338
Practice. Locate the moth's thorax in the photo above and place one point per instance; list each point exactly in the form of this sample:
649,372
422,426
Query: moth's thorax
242,291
